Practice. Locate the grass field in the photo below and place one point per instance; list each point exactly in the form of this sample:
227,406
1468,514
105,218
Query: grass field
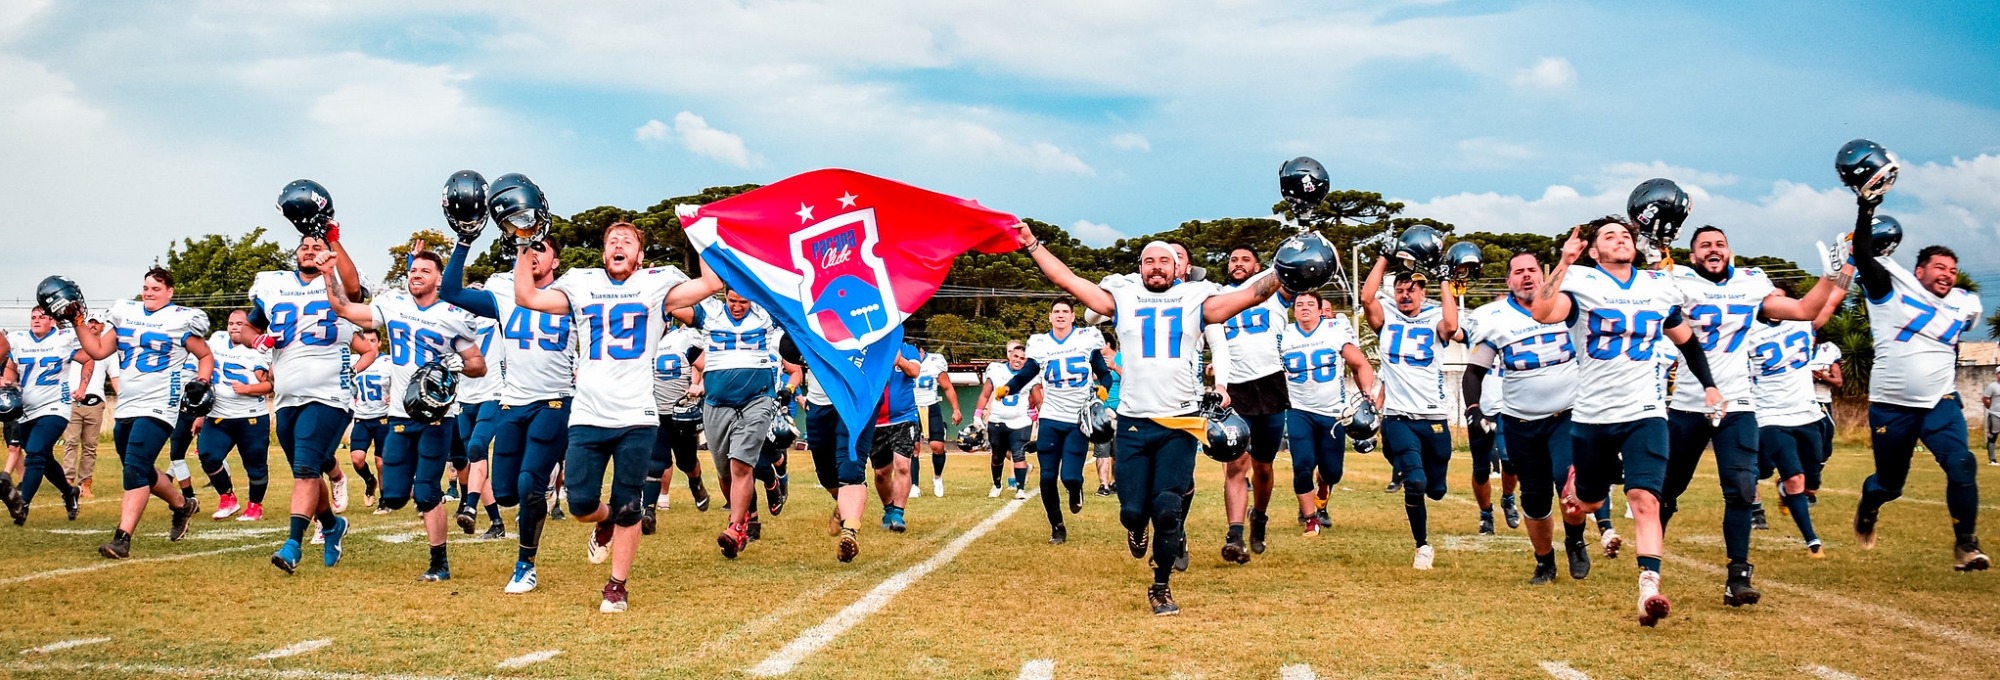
1344,604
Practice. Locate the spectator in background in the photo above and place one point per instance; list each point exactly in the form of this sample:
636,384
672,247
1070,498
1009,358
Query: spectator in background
1992,415
86,420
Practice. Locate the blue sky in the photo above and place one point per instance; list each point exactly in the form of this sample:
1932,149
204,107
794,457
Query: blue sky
129,124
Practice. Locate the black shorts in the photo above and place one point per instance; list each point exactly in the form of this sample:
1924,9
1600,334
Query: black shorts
1266,396
894,439
934,429
1637,448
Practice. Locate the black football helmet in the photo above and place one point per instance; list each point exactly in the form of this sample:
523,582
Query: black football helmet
1867,168
1303,182
1362,424
1464,259
1657,207
60,298
688,411
432,390
12,405
972,437
1421,249
197,398
519,207
465,204
1304,262
308,206
1228,433
783,432
1094,421
1885,234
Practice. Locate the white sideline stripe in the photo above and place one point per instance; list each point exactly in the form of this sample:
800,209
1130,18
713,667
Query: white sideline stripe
1038,669
65,644
1875,611
294,650
818,636
529,658
252,673
1297,671
107,564
1825,673
1562,671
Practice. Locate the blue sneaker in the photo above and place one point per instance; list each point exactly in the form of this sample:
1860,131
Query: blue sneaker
892,519
333,535
287,557
524,578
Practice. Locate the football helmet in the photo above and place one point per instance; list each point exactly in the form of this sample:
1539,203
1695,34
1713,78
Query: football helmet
1094,421
1885,234
465,204
1463,260
1421,248
308,206
197,398
1304,262
12,406
1867,168
1657,207
60,298
1303,182
432,389
519,207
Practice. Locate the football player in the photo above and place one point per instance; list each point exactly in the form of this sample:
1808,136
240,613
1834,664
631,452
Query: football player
37,359
738,374
1070,367
1317,351
1258,391
934,375
1788,418
1006,418
1415,435
239,419
677,393
371,413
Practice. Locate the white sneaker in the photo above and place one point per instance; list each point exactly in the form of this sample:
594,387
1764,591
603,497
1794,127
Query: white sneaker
523,581
1628,512
597,552
1611,543
937,487
995,493
340,496
1424,556
1021,494
916,491
1652,605
319,536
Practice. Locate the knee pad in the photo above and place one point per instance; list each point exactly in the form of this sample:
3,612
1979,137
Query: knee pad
179,470
506,501
1132,519
1302,480
1412,499
1537,505
140,476
1167,508
395,503
581,508
535,498
425,506
628,514
1415,482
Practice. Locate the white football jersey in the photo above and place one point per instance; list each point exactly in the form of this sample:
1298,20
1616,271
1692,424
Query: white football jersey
732,342
815,394
236,365
153,346
1619,326
1252,336
536,350
44,371
487,387
1824,356
619,325
1721,315
672,372
1066,378
1315,373
1412,375
1160,336
1916,340
1535,362
1011,410
933,366
371,390
414,335
1781,373
310,359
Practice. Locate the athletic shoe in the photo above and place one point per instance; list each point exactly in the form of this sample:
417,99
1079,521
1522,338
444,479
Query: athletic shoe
1511,512
614,598
1312,526
319,533
995,493
1738,591
1611,543
937,487
850,545
1579,558
441,572
1864,530
225,506
1544,574
524,578
1968,558
340,495
451,492
467,518
1136,542
776,494
1816,550
1325,520
599,548
1233,549
1395,485
381,510
648,522
896,522
916,490
556,514
1757,518
1114,488
368,493
1424,556
754,529
21,519
183,518
494,532
1021,494
833,526
1103,490
333,536
253,512
287,557
700,493
119,548
73,502
1059,535
12,497
1652,605
1076,500
733,540
1994,463
1259,530
1162,599
1486,523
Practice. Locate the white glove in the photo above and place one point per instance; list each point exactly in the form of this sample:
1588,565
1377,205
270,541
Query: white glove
1835,259
453,363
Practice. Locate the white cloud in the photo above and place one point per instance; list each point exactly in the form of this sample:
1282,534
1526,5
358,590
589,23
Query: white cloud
1548,74
652,131
708,142
1131,141
969,139
1490,152
373,99
1094,234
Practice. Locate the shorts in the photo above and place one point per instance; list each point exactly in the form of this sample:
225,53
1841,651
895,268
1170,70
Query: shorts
1319,445
1788,451
17,436
627,450
413,461
1269,395
1009,441
310,435
251,437
1992,425
894,439
934,423
368,434
1541,457
1104,450
1602,450
739,432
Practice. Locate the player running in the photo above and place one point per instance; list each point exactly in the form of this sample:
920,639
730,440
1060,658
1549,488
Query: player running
37,359
1259,392
738,374
478,407
1617,313
1158,323
934,374
620,312
1788,418
1005,416
1415,435
1538,373
1315,351
371,413
677,391
1070,367
239,419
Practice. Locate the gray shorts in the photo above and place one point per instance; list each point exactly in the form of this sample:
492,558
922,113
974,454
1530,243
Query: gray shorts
1104,450
892,440
739,432
1992,424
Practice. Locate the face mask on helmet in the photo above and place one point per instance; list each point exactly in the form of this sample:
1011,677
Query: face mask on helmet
1658,207
1867,168
1464,260
1421,249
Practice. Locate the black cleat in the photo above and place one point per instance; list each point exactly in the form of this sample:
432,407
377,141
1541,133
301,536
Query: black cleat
556,513
1578,554
1864,530
1967,556
755,530
183,518
776,494
495,532
1259,525
1233,549
119,548
1739,592
1325,520
1758,520
700,493
649,522
1076,500
1103,490
466,520
21,518
1136,542
1059,535
1486,523
1544,574
73,502
1162,599
1395,486
437,572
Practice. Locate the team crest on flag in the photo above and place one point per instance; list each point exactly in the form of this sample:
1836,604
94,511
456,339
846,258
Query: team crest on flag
846,286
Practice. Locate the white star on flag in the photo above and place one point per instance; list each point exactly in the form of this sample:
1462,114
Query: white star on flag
805,213
847,199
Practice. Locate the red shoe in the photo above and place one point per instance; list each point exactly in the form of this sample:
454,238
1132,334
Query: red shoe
733,540
252,513
225,506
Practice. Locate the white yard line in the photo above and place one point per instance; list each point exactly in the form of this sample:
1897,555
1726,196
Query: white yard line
294,649
1824,673
157,670
107,564
819,636
524,660
1874,611
1297,671
1562,671
1039,669
65,644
